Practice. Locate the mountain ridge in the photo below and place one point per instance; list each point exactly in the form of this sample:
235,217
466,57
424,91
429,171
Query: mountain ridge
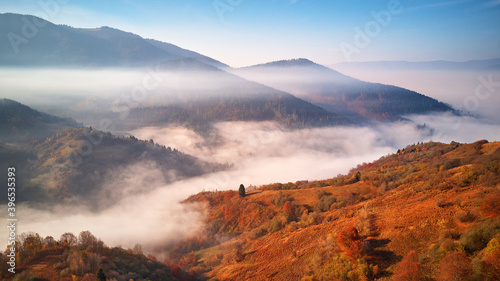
49,44
334,91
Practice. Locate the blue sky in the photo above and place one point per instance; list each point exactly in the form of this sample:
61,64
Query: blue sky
246,32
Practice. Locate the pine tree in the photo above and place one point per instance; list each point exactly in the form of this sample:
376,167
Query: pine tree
241,191
100,275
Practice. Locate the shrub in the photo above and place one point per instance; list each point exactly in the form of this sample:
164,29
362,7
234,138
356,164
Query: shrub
464,216
440,202
455,266
409,269
491,268
350,242
451,163
275,225
320,193
289,211
478,238
280,199
490,204
26,275
325,203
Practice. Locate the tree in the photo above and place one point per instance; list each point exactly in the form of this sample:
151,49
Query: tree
455,266
68,239
357,176
87,240
288,209
241,191
409,269
349,241
100,275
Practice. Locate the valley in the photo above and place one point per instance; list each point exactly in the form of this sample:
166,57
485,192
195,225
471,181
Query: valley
138,159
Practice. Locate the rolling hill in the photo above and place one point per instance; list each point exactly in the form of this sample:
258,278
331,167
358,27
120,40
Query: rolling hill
21,123
59,162
427,212
355,99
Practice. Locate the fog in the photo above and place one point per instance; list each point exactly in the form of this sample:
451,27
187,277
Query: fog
457,88
149,211
261,153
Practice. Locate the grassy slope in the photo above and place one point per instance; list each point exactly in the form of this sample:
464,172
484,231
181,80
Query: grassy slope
413,200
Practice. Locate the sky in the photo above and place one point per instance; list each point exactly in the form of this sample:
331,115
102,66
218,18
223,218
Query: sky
247,32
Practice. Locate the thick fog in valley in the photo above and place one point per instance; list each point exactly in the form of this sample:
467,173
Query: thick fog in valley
257,152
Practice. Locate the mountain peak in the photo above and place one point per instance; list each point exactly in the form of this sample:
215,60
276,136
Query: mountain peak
288,63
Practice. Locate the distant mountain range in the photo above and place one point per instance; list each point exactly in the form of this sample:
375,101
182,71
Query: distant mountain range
472,65
349,97
319,96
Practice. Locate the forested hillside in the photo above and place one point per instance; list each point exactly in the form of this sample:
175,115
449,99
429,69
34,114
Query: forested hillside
334,91
428,212
84,258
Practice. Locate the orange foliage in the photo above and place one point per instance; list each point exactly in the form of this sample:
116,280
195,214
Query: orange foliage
409,269
350,242
490,205
288,209
455,266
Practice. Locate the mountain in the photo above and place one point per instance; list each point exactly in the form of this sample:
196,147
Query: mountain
440,65
19,122
196,94
32,41
429,211
339,93
58,162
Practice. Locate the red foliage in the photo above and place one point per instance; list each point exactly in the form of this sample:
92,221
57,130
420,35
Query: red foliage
455,266
288,208
350,242
490,205
409,269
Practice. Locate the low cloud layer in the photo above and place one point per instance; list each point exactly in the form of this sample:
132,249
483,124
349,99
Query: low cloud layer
261,153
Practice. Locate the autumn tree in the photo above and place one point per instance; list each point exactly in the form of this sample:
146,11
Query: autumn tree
241,191
455,266
490,206
349,241
288,209
68,239
87,240
409,269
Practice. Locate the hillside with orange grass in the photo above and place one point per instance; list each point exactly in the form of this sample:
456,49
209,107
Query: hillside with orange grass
427,212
